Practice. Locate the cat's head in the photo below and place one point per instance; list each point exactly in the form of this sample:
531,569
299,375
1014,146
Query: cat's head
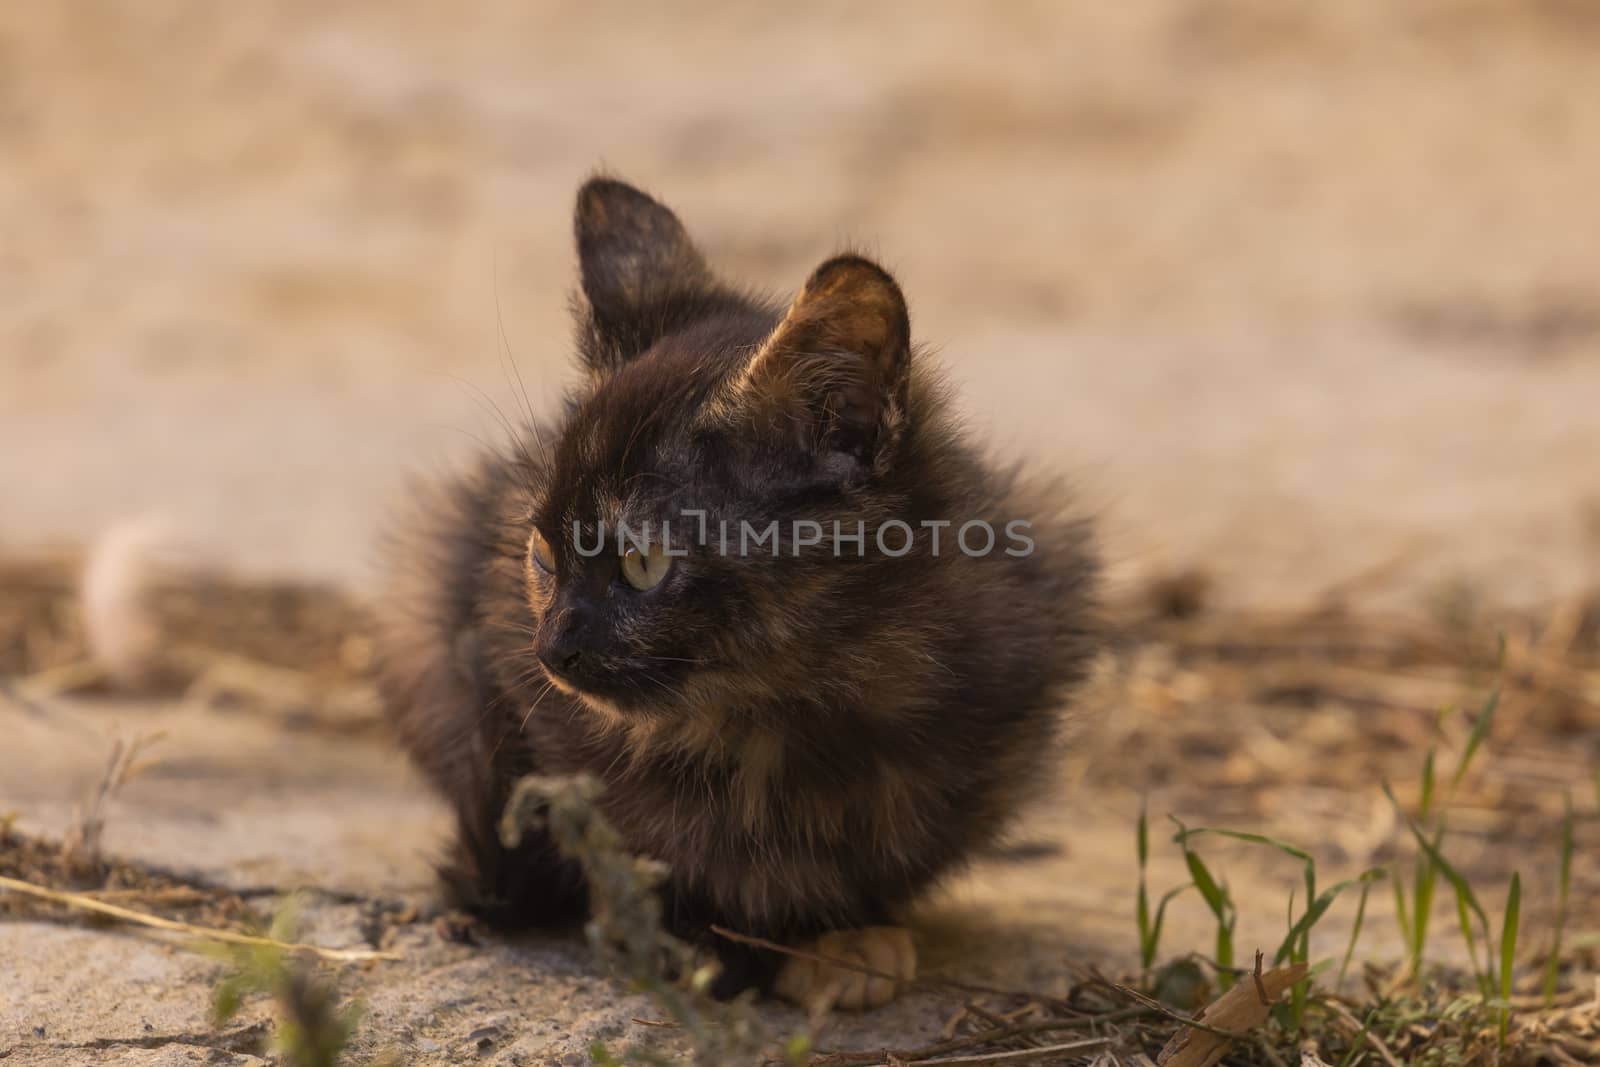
706,415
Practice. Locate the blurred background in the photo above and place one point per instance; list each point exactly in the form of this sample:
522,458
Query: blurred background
1304,297
1291,289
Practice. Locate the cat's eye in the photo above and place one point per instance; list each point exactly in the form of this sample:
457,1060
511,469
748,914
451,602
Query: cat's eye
644,569
539,551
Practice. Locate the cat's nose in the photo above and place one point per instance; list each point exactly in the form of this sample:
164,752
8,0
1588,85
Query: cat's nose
563,652
561,655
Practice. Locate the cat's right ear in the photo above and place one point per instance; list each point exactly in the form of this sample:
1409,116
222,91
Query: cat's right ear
641,276
833,379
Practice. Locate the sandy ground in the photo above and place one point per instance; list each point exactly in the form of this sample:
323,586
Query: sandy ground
1293,291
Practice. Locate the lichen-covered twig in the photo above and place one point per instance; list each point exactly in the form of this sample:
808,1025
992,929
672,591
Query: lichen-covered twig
625,931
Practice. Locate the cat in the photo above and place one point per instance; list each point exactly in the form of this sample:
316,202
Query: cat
807,723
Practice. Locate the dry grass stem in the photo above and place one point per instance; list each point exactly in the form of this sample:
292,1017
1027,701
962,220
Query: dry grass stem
88,902
1359,1032
1026,1055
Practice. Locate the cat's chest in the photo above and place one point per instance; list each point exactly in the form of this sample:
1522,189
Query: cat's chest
753,802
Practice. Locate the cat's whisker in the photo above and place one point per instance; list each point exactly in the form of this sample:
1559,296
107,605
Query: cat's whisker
509,360
548,687
487,405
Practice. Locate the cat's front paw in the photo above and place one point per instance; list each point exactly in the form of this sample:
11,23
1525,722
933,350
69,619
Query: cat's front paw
819,986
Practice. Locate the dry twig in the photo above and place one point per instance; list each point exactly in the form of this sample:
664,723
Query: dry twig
86,902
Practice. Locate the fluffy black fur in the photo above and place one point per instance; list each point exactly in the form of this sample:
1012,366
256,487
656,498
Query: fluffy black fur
807,740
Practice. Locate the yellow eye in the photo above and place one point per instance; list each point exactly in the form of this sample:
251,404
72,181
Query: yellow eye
644,570
539,550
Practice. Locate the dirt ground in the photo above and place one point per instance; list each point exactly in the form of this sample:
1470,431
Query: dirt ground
1306,297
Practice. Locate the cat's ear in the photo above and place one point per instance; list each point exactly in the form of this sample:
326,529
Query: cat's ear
835,374
641,276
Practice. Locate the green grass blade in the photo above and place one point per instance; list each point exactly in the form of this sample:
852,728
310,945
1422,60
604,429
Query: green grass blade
1564,883
1310,867
1400,911
1305,936
1216,897
1427,879
1289,950
1425,806
1297,995
1146,948
1255,839
1508,950
1466,899
1359,1044
1211,891
1480,730
1465,919
1415,920
1552,968
1225,954
1355,931
1160,920
1143,836
1213,894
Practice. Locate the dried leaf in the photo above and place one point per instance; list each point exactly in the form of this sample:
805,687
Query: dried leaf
1238,1011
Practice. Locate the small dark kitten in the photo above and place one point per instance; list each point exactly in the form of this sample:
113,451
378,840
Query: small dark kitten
806,729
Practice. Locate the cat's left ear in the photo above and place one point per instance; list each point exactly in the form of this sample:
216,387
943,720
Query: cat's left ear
641,276
834,376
